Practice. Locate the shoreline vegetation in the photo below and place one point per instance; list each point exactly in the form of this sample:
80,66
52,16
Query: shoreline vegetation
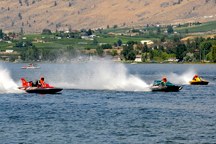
125,62
133,45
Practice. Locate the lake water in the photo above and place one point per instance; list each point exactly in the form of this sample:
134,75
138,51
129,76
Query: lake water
104,102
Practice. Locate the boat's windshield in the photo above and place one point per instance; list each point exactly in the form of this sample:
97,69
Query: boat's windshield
158,83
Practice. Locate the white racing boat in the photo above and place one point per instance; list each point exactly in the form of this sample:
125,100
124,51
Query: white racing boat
31,66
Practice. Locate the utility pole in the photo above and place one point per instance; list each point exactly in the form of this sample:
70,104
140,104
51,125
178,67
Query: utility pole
204,55
200,54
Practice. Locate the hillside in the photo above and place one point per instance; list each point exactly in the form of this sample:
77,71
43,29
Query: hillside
35,15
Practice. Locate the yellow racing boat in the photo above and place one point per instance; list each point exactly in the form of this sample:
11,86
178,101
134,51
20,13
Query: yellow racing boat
198,81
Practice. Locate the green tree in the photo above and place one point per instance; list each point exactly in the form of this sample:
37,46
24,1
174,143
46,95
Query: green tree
131,55
89,32
170,29
161,48
145,48
176,40
114,53
99,51
95,42
115,44
151,54
119,42
83,30
45,54
188,45
158,31
206,46
126,50
165,56
46,31
209,56
115,26
162,39
143,59
131,43
180,51
35,53
213,51
106,46
53,55
1,34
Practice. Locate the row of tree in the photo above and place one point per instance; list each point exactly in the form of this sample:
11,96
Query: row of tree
191,51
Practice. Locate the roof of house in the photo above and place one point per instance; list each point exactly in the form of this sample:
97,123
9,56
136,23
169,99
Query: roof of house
138,56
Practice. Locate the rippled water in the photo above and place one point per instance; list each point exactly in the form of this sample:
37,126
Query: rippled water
108,103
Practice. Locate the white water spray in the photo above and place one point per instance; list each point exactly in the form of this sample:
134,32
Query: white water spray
103,76
181,79
7,85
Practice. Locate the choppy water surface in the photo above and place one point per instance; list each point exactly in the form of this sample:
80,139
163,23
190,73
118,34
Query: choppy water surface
108,103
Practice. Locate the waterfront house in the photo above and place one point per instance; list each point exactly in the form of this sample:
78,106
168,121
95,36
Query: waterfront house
138,58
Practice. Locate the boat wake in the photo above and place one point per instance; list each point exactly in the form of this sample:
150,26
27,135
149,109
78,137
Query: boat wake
102,76
7,85
182,78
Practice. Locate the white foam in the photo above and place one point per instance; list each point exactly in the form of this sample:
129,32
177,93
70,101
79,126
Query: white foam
181,79
103,76
7,85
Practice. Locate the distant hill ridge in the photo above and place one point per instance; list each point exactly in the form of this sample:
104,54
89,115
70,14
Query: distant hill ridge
35,15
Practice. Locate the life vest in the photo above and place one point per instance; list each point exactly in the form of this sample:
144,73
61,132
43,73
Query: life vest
42,80
164,80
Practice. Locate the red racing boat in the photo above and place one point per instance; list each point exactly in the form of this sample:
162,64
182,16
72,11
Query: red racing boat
30,87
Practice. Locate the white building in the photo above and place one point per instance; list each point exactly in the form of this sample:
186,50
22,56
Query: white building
138,58
84,37
102,44
92,36
148,42
9,51
172,60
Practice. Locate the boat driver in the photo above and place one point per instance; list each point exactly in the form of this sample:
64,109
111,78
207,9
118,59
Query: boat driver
195,77
164,80
41,82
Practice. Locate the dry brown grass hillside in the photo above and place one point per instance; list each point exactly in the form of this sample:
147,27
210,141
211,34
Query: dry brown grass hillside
35,15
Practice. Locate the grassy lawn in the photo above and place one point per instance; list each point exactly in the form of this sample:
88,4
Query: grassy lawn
208,26
124,39
49,45
5,46
32,37
115,30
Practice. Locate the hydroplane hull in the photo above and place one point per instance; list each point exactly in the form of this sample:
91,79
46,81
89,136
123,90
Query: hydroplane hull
41,90
166,88
198,82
